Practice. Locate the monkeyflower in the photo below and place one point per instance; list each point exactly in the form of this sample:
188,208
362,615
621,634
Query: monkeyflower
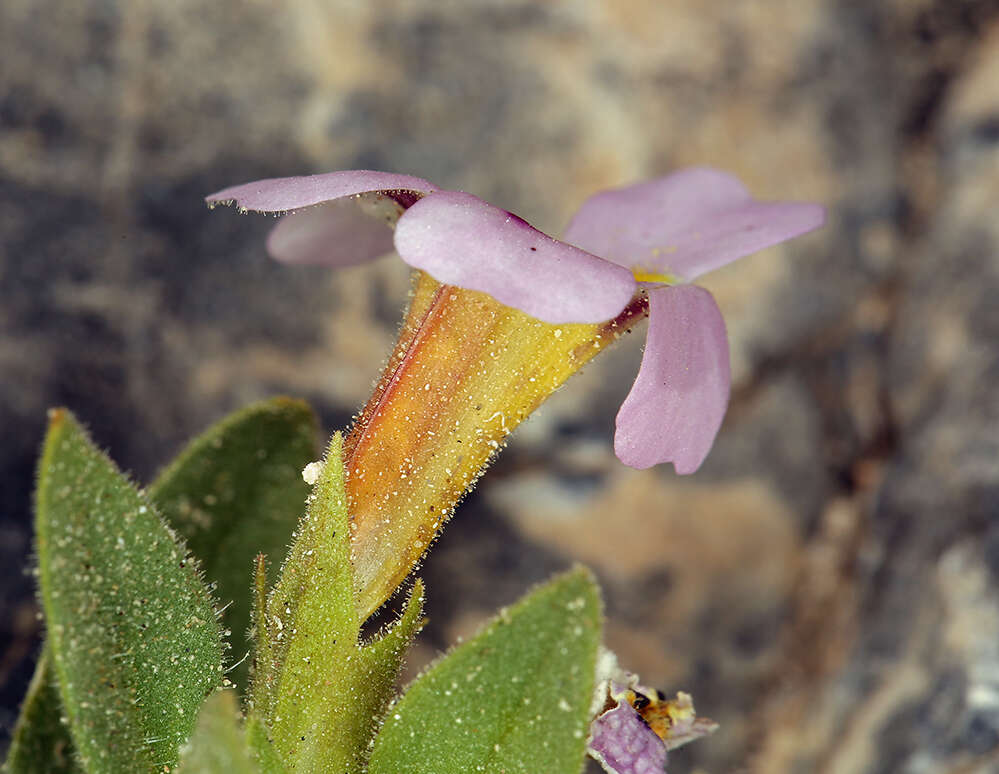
665,233
502,314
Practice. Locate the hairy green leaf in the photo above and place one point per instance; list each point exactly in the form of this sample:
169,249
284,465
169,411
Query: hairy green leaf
133,632
218,745
318,691
41,743
515,699
237,491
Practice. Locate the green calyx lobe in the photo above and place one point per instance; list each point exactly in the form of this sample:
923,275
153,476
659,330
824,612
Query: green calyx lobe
318,690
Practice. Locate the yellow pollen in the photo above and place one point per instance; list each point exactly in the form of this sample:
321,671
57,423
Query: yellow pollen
643,274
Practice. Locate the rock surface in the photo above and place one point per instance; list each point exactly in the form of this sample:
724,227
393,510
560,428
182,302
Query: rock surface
827,586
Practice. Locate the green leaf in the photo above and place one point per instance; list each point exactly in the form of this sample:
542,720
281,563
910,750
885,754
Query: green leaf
317,696
134,636
218,745
516,698
41,743
237,491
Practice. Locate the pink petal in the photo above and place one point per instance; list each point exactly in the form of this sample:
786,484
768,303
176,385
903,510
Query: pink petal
686,224
281,194
461,240
623,744
676,405
336,233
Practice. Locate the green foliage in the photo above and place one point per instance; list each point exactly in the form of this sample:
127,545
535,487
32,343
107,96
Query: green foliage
41,743
515,698
132,630
237,491
134,644
318,691
218,745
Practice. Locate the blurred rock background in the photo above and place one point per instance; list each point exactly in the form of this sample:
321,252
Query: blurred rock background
828,585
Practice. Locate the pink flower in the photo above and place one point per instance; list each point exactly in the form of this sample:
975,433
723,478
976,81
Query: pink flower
634,726
656,236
